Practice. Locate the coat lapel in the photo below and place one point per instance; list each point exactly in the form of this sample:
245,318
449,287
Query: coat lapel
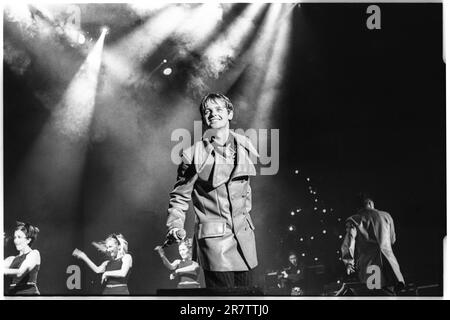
204,160
244,165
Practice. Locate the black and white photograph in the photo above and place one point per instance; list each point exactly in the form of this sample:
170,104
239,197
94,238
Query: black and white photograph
267,150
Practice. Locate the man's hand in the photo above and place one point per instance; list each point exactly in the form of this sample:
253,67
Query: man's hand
350,269
175,235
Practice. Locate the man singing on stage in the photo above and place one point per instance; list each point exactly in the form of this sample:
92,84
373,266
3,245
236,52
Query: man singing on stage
215,173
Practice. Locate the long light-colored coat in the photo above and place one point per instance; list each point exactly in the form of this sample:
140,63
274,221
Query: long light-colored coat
375,235
224,238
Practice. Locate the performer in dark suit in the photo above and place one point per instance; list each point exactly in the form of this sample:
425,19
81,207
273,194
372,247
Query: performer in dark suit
367,248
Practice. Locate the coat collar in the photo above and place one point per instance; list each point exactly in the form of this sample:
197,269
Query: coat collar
245,151
244,166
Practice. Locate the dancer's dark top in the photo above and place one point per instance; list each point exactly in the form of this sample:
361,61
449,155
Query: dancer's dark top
187,276
29,277
116,265
27,283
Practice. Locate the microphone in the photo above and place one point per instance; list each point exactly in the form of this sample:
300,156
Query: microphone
176,236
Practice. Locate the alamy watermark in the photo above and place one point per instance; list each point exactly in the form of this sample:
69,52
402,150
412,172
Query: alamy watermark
260,139
74,279
374,280
373,22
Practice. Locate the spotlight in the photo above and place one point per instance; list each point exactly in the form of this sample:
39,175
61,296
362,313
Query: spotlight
315,259
81,38
292,213
338,281
324,231
303,254
291,228
339,219
307,179
296,171
105,30
324,210
298,210
167,71
315,208
340,236
312,238
164,61
301,239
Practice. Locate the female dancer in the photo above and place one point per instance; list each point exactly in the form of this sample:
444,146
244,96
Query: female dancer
185,270
24,267
116,270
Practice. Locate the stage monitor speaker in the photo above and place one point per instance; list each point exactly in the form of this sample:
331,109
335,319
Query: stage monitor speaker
356,289
252,291
277,292
432,290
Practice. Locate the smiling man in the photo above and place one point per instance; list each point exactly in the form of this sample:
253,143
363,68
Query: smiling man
215,174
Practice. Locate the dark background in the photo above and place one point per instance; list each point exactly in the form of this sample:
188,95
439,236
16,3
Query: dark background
360,110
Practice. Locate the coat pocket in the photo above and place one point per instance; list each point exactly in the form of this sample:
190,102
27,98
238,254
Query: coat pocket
211,229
